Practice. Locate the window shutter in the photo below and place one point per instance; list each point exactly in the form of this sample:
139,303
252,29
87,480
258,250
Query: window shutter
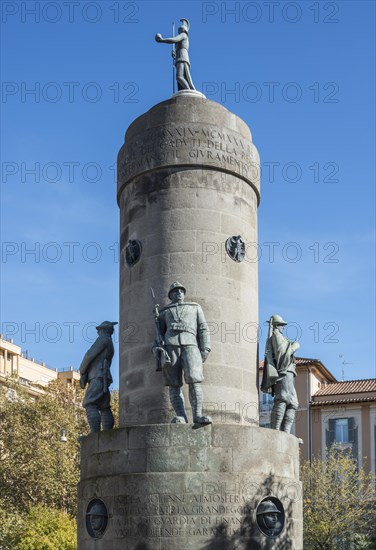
331,433
351,428
355,445
354,442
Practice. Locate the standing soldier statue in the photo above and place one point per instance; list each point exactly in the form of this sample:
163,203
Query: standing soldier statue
279,373
180,55
95,371
184,345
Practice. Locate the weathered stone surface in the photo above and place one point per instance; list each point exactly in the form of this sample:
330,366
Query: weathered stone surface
132,460
149,436
220,459
212,138
187,181
170,459
178,485
180,436
233,377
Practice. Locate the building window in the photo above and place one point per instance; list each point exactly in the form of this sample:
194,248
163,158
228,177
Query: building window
343,434
342,430
267,398
266,402
12,395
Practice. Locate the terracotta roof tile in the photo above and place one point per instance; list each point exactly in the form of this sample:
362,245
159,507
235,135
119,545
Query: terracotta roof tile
348,387
344,400
305,361
302,361
298,361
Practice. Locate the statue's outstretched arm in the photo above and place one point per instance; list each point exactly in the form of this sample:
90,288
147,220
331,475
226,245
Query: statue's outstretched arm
172,40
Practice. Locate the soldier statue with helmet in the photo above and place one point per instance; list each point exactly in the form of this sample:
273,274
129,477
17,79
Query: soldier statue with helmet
269,518
279,374
96,518
182,64
184,345
95,371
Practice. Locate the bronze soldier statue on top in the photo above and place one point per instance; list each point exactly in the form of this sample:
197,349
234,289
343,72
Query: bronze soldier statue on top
279,373
183,345
180,55
95,371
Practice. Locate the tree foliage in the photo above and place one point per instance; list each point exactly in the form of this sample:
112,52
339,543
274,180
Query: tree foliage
10,524
36,467
41,529
339,503
38,471
115,406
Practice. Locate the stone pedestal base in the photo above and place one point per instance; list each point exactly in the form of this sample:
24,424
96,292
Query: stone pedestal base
173,487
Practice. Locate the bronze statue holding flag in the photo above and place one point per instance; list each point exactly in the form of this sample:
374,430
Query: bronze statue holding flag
279,373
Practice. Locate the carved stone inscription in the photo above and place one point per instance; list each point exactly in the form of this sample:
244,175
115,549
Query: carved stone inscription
192,145
184,515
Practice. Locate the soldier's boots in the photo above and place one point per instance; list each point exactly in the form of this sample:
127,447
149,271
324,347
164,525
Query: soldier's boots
107,419
179,420
288,420
93,417
177,402
277,415
196,398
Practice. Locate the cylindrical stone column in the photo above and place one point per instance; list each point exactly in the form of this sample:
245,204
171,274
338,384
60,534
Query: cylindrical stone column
188,180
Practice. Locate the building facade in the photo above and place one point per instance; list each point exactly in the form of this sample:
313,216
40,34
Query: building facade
331,413
31,374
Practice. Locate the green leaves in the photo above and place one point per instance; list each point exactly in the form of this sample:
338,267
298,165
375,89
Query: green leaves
36,467
38,472
339,502
46,529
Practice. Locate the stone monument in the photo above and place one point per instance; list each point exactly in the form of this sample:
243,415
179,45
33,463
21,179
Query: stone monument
188,191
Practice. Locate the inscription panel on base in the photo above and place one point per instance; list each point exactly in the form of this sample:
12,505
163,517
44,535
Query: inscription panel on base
184,515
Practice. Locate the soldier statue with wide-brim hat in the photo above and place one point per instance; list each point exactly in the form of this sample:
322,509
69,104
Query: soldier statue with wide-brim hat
95,371
186,342
181,58
279,374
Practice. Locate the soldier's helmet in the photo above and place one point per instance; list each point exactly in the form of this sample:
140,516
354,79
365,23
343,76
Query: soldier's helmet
185,26
97,510
267,507
107,324
174,285
277,320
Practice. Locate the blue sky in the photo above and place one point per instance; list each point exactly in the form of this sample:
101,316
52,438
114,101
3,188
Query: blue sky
301,74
